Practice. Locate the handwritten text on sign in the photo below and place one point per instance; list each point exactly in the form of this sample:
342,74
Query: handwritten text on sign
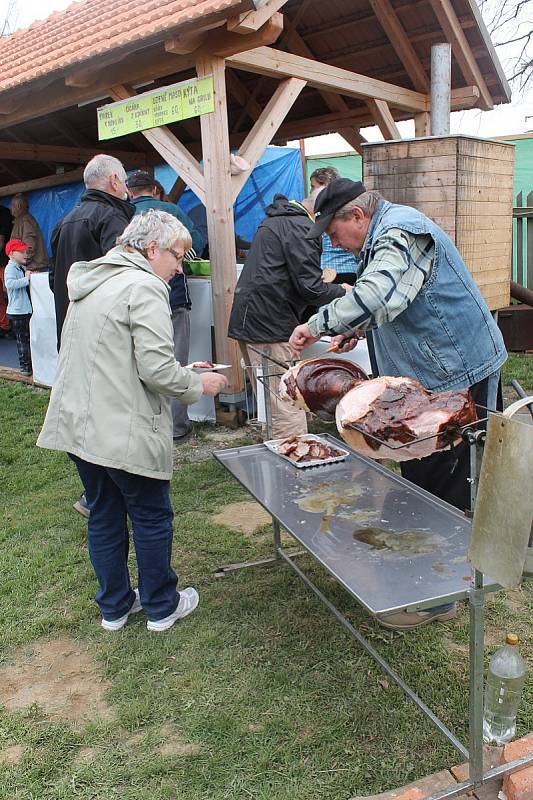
156,108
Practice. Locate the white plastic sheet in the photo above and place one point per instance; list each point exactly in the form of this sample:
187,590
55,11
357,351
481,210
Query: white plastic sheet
43,337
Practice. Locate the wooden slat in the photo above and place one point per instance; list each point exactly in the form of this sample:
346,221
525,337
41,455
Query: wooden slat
413,180
219,210
275,63
412,148
266,126
494,166
488,149
73,176
404,166
465,208
65,155
400,41
445,13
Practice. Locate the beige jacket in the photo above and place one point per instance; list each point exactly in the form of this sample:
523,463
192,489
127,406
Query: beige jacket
110,404
26,228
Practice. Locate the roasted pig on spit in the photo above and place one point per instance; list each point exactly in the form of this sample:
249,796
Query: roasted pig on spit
399,411
318,384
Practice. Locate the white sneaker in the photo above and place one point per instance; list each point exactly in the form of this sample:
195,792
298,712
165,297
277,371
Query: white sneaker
117,624
189,599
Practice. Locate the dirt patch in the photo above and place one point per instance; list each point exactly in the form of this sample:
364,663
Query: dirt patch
58,676
245,516
177,748
173,745
12,755
200,446
84,755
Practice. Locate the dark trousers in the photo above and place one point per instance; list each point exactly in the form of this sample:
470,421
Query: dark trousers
20,324
434,473
112,494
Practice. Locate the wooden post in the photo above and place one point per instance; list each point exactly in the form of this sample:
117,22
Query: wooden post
219,210
301,143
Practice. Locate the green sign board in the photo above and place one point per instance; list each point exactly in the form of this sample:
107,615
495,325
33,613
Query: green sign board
156,108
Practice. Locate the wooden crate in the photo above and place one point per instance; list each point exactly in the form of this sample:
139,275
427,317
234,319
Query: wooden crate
465,185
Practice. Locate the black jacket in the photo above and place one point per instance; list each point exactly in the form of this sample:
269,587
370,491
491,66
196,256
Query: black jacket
281,277
85,233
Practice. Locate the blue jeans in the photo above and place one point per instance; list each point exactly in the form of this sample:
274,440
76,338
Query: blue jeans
112,495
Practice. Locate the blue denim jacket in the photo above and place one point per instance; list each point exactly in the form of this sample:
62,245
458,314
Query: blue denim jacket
447,337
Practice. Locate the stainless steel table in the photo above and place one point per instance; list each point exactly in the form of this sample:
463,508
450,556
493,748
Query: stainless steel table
392,545
389,543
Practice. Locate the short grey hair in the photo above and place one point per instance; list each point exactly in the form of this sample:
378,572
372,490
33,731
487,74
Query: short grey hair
367,202
100,169
155,226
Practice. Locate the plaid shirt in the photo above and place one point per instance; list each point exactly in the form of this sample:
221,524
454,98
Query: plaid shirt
340,260
400,265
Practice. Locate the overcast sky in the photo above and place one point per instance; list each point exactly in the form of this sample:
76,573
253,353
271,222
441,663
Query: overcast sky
503,120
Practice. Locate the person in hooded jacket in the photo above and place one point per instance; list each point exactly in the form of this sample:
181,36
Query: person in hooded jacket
110,410
280,280
91,228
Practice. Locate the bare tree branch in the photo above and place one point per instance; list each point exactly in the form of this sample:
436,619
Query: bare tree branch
509,23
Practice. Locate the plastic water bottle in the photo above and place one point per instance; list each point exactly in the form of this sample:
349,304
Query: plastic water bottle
505,681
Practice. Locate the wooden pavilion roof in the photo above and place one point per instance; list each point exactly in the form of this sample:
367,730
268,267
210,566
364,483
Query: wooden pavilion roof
57,72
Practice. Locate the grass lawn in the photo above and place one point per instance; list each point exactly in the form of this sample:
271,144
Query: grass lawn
258,695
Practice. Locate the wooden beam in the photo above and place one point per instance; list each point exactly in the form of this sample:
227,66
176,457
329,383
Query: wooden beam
422,124
400,41
86,77
73,176
354,138
266,126
177,190
65,155
252,20
170,148
219,210
381,113
223,43
465,97
275,63
445,13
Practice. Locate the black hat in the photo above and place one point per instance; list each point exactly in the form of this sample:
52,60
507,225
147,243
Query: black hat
140,179
334,196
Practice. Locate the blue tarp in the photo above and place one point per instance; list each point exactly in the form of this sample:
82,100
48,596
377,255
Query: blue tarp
278,170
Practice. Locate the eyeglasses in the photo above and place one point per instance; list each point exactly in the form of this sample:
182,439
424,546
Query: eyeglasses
177,256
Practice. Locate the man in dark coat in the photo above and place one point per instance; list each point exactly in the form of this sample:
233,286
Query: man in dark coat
280,280
89,230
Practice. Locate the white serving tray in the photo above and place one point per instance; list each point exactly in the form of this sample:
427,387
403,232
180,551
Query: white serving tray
275,444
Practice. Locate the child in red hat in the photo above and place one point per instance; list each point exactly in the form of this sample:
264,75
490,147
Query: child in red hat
19,310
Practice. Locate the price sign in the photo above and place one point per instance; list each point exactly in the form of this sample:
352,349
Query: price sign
156,108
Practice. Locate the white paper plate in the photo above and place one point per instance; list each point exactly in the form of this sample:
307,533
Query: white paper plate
207,369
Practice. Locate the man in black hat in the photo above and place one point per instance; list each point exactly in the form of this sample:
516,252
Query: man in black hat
424,313
145,192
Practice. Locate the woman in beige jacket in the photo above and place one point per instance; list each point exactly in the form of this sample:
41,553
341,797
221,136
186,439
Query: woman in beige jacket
110,410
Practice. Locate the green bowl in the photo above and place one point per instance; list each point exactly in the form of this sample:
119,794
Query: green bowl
200,266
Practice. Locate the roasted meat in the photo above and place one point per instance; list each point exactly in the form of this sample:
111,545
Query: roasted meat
399,411
307,448
318,384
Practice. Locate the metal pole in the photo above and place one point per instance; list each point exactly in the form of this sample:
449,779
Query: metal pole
441,70
477,635
265,367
